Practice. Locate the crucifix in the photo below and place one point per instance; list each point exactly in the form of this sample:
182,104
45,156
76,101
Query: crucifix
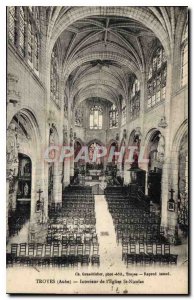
39,192
171,192
171,202
38,203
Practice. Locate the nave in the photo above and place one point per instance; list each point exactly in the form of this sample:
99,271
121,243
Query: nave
96,230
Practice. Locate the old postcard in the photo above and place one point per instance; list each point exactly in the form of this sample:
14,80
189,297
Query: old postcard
97,150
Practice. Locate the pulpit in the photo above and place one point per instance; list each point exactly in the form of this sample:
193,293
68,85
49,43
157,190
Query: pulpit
137,178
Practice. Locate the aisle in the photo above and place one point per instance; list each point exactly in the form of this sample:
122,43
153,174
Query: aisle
110,252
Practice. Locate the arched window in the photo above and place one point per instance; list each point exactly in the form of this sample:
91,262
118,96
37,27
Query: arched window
156,86
123,112
12,24
96,117
22,31
30,41
54,77
113,117
135,99
184,57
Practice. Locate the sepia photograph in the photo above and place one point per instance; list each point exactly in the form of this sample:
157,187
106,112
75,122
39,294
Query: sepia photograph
97,155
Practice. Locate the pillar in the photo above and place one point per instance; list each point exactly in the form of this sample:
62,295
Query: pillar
7,206
66,172
127,173
57,180
167,216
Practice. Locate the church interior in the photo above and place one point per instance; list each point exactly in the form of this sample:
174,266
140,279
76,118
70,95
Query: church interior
96,79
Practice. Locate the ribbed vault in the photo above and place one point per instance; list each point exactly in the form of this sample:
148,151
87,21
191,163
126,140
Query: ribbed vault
101,47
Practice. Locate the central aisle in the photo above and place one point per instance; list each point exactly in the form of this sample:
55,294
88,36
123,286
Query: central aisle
110,252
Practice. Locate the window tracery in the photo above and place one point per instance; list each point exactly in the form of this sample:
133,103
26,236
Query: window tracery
96,117
113,117
156,85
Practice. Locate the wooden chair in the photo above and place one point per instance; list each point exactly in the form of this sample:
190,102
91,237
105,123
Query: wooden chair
131,256
86,255
95,258
11,258
124,251
31,253
149,257
47,258
22,254
158,255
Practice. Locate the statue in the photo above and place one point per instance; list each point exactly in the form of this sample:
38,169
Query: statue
65,107
71,136
124,133
26,189
78,117
12,150
161,148
52,142
65,138
52,137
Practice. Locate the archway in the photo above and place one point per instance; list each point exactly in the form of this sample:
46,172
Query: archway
155,154
20,207
77,147
22,138
112,159
95,164
183,184
79,166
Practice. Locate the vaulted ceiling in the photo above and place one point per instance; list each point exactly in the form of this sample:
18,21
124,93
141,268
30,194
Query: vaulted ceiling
101,53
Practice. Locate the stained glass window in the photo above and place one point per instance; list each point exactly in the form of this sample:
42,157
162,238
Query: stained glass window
156,86
135,99
36,52
123,112
30,41
184,57
21,31
113,117
96,117
12,24
24,33
54,77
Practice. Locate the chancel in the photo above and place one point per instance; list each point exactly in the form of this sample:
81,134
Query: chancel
106,90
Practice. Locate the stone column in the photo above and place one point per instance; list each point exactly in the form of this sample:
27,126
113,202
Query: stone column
66,175
127,166
186,174
57,183
143,102
145,168
7,206
166,184
39,181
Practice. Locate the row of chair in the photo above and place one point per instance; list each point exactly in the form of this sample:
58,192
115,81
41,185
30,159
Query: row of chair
56,254
138,229
69,238
148,253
